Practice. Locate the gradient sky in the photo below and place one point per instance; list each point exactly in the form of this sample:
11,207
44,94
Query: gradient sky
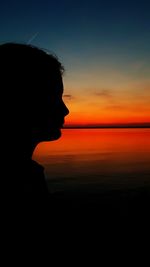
104,46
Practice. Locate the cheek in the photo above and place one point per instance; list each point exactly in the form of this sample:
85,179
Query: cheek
51,110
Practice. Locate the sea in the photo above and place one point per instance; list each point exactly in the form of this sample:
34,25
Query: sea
95,160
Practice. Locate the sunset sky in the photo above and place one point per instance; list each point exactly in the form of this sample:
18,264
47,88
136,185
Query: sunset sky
104,46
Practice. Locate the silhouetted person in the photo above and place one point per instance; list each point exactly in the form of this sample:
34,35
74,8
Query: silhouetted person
32,111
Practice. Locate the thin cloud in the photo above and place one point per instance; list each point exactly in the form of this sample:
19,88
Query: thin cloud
106,93
115,107
68,97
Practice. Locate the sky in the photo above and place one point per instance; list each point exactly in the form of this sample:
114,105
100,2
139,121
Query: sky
104,47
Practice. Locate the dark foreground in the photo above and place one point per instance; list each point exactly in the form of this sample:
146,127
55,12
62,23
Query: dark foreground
124,204
85,206
122,215
74,221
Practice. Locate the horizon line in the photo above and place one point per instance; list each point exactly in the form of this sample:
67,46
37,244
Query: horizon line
108,127
113,125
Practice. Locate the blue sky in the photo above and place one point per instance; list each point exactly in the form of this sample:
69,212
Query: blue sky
74,24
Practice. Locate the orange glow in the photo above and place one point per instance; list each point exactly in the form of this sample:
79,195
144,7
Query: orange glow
111,98
78,119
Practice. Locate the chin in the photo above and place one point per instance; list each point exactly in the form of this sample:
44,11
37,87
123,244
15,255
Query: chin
54,134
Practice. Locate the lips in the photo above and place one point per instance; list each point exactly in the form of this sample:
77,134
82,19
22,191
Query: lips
62,124
56,123
59,124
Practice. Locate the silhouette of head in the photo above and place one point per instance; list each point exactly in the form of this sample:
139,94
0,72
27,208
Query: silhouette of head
31,90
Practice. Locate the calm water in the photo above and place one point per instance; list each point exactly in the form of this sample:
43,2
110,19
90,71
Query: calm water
92,159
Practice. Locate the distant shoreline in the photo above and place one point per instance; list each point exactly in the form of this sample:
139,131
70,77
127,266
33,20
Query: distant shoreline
107,127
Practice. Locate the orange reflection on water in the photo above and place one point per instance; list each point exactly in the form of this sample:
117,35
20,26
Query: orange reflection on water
103,140
124,149
116,157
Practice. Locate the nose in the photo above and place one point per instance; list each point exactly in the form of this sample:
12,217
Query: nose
66,110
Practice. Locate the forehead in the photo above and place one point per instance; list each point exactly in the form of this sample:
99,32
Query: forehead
54,84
